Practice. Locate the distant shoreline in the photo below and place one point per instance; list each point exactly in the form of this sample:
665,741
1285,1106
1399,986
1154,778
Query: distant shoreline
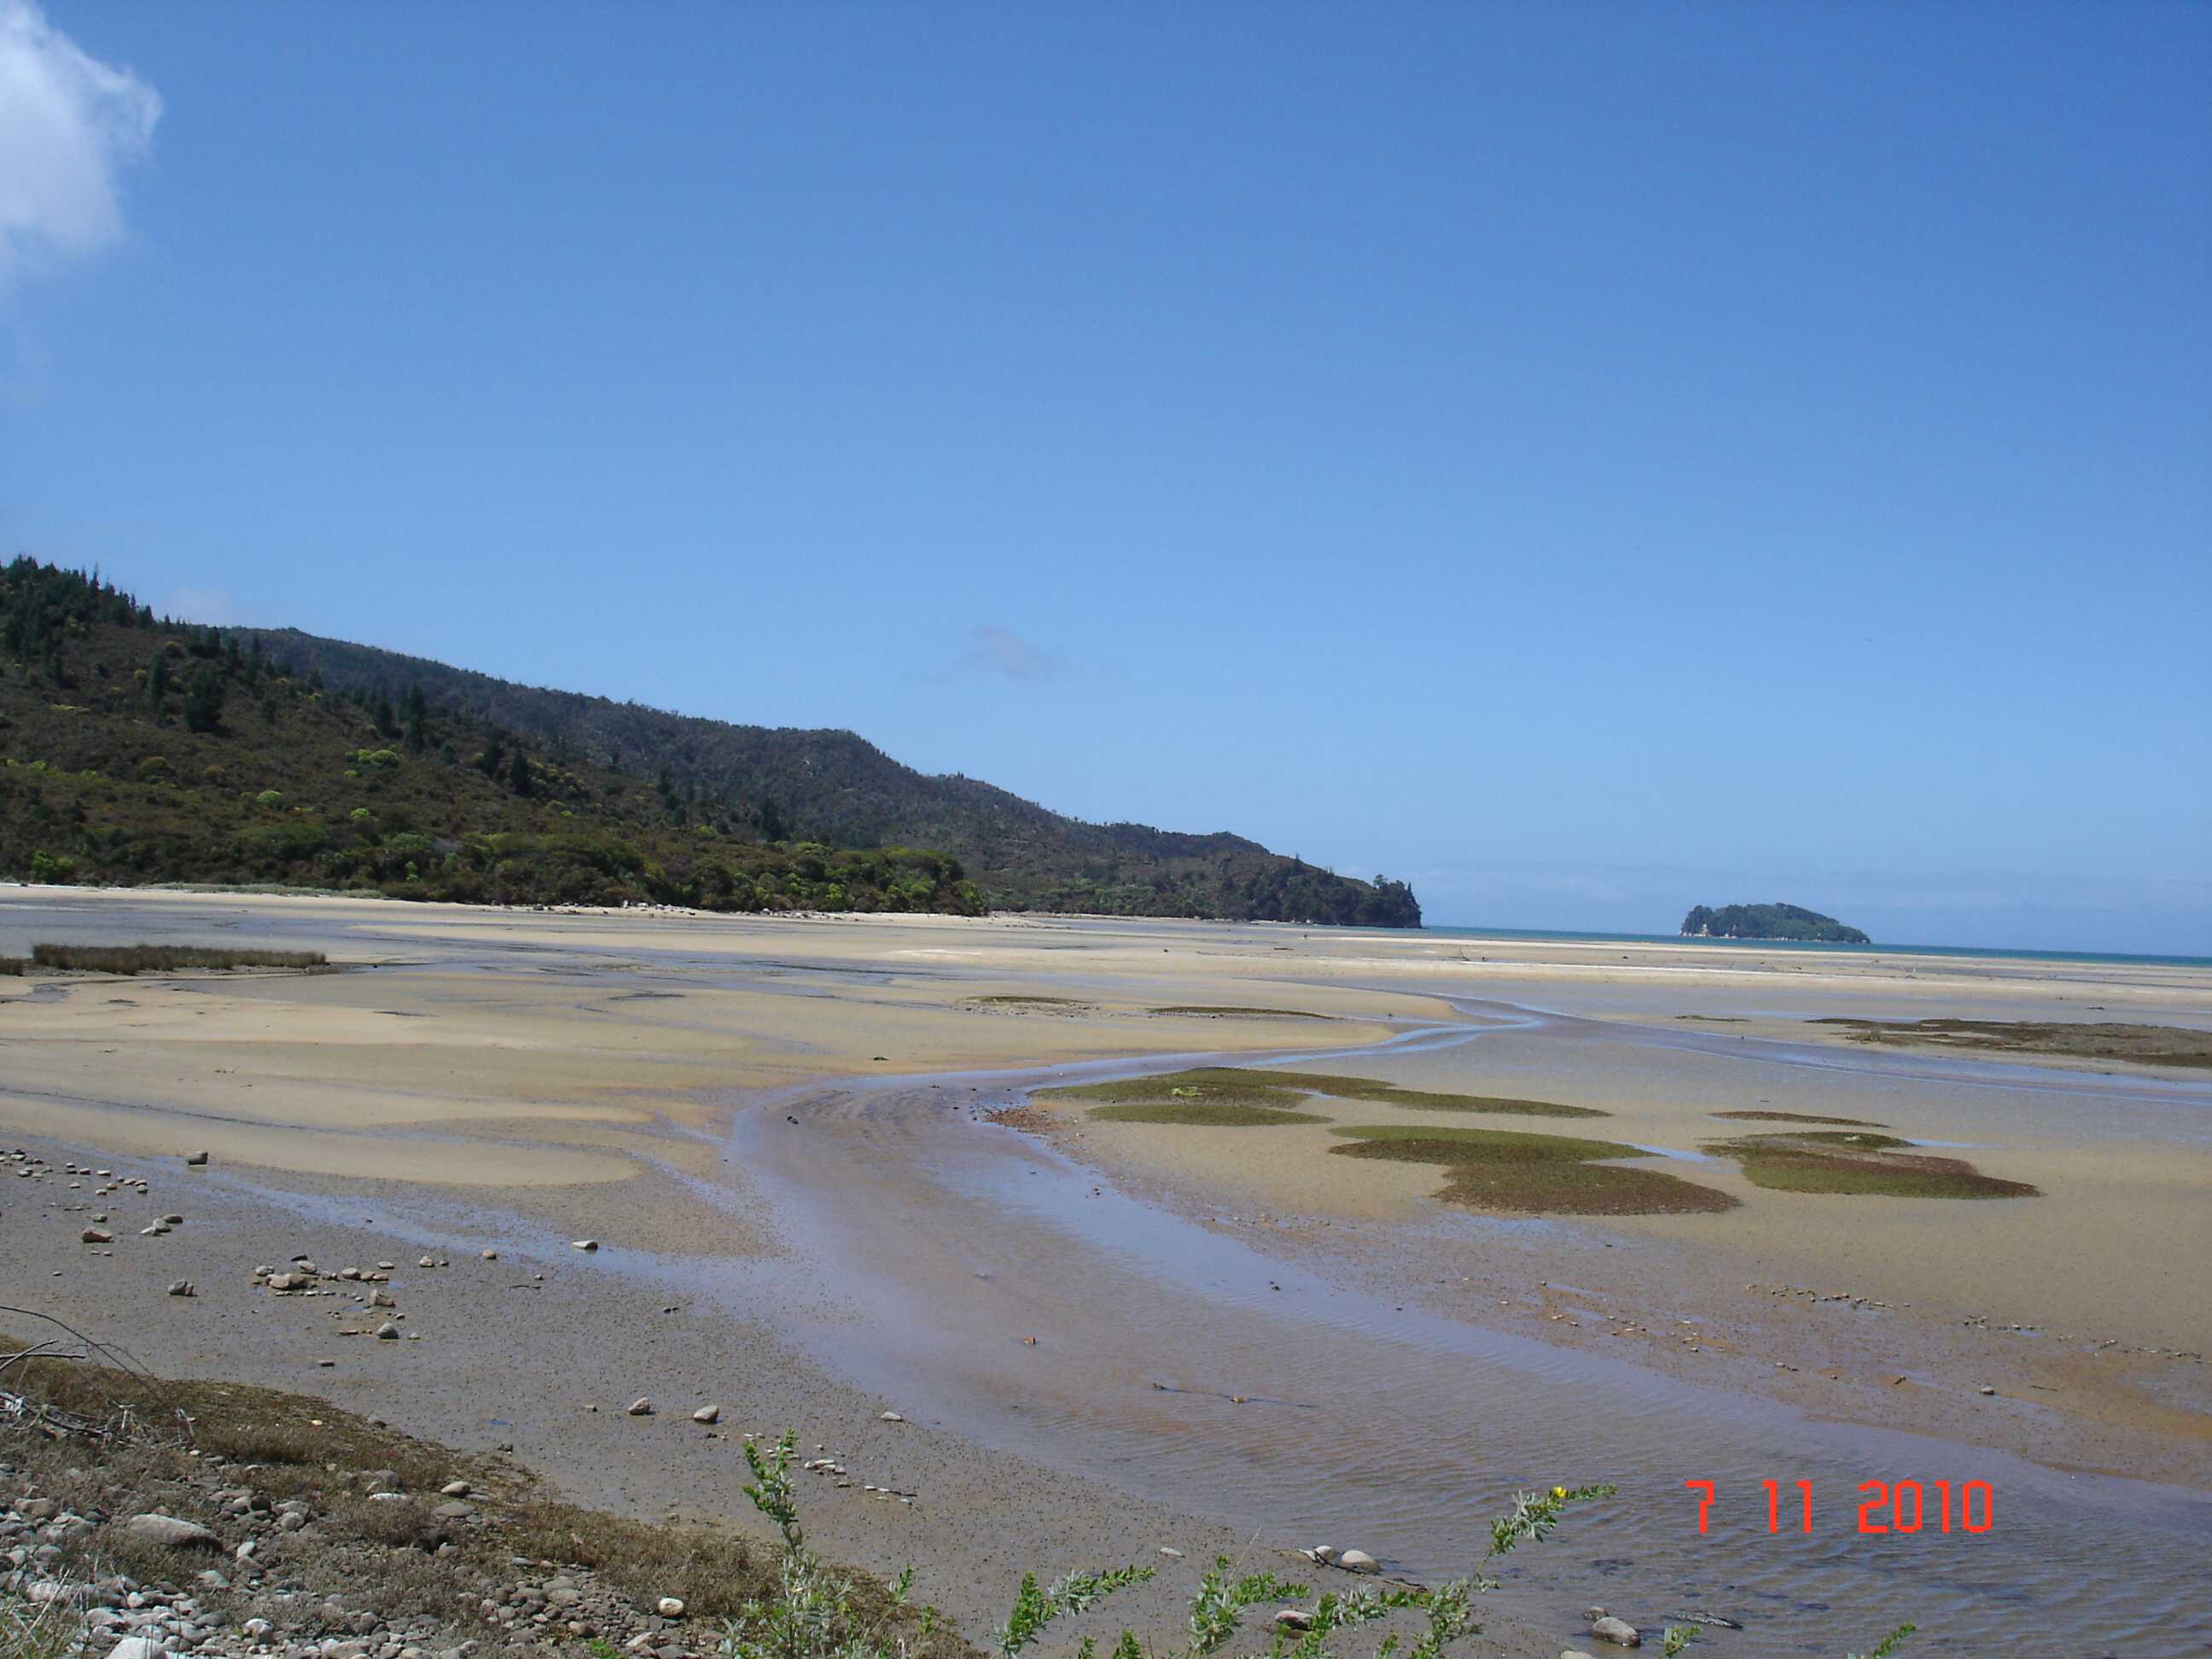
1982,952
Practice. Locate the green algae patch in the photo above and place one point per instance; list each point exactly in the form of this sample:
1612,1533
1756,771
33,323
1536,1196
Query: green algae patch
2143,1045
1801,1117
1517,1173
1204,1113
1285,1089
1866,1166
1444,1144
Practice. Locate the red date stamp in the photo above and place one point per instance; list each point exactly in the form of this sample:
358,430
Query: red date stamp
1885,1506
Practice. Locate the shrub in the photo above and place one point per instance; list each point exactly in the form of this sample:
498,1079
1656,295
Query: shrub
269,798
374,760
52,867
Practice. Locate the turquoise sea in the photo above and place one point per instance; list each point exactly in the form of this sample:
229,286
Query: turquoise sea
1545,936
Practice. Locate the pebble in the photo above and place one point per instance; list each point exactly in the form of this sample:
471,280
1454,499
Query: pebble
641,1407
1358,1561
97,1236
671,1607
707,1414
1619,1631
387,1331
182,1287
586,1244
196,1157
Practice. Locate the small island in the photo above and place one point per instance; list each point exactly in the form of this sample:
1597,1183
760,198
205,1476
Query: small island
1783,921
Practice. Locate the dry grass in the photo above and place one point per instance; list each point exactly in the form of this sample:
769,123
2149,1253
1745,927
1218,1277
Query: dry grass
17,966
1254,1086
1514,1172
1867,1165
309,1447
2143,1045
166,959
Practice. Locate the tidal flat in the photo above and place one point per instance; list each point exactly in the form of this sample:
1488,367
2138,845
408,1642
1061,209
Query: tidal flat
1108,1338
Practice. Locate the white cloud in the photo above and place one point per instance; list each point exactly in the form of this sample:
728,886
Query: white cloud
68,122
998,653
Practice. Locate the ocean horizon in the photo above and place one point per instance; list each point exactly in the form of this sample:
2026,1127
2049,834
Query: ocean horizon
2007,952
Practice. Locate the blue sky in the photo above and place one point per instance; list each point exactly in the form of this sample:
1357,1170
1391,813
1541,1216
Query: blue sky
1586,460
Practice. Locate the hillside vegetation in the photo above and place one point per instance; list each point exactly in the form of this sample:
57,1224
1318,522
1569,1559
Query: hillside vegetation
132,751
140,750
1786,921
837,788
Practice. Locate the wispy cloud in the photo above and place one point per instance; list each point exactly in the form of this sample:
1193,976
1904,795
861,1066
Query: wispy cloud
68,123
995,652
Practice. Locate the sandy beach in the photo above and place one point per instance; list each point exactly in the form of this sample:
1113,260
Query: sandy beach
785,1133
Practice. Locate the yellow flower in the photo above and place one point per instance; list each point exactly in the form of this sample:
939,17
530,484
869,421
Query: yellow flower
1559,1491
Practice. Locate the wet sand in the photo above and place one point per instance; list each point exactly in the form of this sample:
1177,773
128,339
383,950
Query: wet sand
532,1077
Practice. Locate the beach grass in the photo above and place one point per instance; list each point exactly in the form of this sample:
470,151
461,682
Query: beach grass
1284,1088
166,959
1514,1172
1871,1167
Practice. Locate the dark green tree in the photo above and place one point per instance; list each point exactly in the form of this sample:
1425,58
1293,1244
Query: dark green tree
203,700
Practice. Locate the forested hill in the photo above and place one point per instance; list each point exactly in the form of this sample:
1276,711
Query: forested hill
133,751
837,788
1785,921
141,749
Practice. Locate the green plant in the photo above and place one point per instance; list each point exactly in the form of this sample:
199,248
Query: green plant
1891,1642
813,1614
52,867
